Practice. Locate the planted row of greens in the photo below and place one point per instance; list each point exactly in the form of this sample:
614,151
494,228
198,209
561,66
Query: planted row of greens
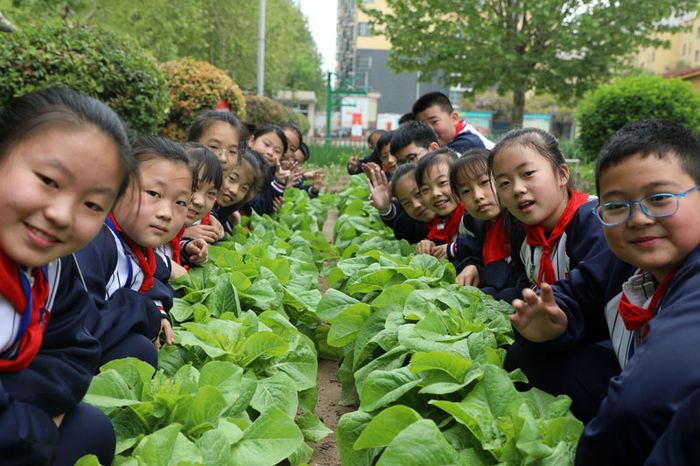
239,384
423,358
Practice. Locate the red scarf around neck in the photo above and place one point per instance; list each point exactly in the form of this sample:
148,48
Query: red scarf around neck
497,242
636,317
145,257
536,236
175,243
444,228
205,220
460,126
11,289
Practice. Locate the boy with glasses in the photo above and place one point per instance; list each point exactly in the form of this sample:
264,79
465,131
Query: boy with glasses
647,177
412,141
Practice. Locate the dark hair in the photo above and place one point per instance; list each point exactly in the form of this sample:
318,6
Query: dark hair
659,137
429,160
384,140
263,130
472,164
204,163
536,139
250,127
401,171
26,115
261,168
406,118
145,148
305,152
415,132
432,98
293,127
202,122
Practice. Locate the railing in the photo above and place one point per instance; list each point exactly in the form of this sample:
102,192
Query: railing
339,142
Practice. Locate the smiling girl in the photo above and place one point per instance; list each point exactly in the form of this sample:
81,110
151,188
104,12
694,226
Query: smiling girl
560,230
52,143
127,280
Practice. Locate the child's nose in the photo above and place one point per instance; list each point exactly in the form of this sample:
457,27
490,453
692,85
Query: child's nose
60,212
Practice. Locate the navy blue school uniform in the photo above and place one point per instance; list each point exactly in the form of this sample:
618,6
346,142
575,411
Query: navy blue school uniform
679,444
262,203
113,279
403,225
468,138
662,372
55,380
222,214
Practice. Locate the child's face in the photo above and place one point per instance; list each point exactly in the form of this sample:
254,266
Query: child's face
292,143
659,245
444,124
409,197
528,186
166,189
299,156
222,139
201,202
478,196
237,186
51,204
412,153
269,145
388,160
436,193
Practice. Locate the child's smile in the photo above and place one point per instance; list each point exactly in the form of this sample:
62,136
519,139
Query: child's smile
660,244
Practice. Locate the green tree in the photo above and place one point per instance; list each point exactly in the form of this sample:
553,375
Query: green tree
562,47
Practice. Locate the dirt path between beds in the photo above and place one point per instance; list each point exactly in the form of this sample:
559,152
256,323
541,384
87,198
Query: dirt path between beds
327,408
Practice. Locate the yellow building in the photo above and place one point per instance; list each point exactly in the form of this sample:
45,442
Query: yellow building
683,53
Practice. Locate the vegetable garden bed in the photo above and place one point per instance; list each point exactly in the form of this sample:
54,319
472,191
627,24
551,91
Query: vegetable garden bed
421,358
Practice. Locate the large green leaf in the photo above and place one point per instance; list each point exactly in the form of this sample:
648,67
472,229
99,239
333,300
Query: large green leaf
312,427
167,446
350,426
276,391
348,324
270,439
384,387
224,376
263,344
385,426
332,304
421,443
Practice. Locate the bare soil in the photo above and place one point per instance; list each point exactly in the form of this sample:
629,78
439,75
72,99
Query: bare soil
327,408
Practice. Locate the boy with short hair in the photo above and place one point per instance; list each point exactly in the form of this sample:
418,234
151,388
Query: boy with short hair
648,179
411,141
436,110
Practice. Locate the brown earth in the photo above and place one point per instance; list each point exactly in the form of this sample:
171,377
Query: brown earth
327,408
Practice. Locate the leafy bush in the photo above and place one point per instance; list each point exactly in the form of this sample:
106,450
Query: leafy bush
610,107
96,62
196,86
265,111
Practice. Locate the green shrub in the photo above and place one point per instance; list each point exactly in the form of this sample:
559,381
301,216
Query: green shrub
265,111
611,106
97,62
194,87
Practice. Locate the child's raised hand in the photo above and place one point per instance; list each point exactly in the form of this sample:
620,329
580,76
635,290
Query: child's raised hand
208,233
354,159
234,218
440,252
425,247
538,318
277,203
379,188
167,330
317,181
197,251
469,276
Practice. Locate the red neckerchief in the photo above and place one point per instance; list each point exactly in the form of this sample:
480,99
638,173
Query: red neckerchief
636,317
460,126
536,236
450,227
145,257
175,243
497,242
205,220
11,289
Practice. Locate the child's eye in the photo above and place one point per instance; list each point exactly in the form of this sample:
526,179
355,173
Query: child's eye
181,203
48,181
244,189
212,194
464,192
503,184
93,206
443,183
155,194
528,173
213,148
485,182
659,199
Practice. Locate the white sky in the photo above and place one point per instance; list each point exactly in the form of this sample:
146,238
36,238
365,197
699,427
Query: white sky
323,17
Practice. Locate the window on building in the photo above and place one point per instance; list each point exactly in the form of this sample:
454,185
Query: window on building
364,62
698,33
684,48
456,96
367,1
697,55
363,29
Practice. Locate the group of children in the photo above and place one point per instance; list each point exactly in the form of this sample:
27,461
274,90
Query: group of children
603,288
93,226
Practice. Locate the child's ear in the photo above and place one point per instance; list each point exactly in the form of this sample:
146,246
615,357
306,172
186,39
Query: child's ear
455,117
433,146
564,174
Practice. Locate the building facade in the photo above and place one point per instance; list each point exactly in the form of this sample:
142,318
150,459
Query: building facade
684,51
362,56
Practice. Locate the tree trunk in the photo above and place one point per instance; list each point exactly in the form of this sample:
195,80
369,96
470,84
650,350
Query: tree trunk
6,25
516,118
